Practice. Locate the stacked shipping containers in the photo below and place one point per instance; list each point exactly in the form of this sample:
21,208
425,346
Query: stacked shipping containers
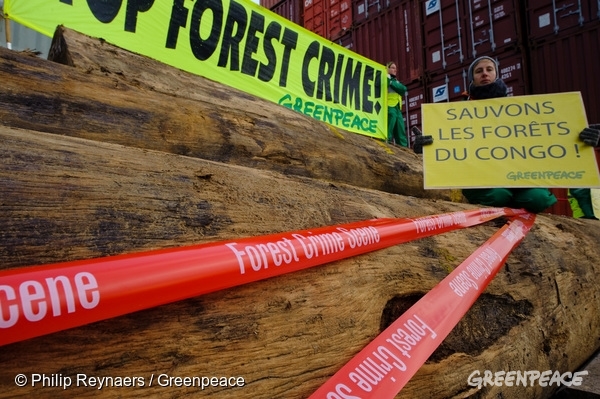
291,10
462,30
394,34
542,46
328,18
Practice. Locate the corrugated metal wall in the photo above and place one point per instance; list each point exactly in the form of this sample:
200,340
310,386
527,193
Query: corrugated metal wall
569,63
270,4
557,17
444,37
315,14
393,35
23,38
340,18
291,10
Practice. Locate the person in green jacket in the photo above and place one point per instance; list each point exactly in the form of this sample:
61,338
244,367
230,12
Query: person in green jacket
396,126
484,83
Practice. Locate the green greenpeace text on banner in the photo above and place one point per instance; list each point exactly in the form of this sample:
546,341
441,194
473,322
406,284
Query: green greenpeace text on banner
237,43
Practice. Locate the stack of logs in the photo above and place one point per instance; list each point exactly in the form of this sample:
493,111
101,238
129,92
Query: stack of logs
107,152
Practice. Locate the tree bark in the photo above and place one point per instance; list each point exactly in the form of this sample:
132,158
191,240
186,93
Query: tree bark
66,198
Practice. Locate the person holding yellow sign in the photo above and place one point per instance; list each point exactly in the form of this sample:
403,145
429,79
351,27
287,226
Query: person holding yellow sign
396,126
484,84
591,135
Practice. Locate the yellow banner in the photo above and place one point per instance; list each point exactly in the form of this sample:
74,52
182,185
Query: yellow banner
237,43
523,141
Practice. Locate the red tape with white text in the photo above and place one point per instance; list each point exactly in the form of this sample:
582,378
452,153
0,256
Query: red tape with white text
43,299
386,364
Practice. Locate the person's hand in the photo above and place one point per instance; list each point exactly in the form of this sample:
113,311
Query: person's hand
591,135
420,140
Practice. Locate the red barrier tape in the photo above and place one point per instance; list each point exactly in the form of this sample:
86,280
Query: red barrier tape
384,366
43,299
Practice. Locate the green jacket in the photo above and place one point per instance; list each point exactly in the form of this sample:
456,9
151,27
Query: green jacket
395,92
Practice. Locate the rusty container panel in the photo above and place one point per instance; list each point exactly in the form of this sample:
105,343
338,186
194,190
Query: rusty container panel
340,18
394,35
594,10
513,71
447,86
562,207
346,40
412,107
569,63
315,16
491,26
556,17
363,9
290,9
269,3
444,35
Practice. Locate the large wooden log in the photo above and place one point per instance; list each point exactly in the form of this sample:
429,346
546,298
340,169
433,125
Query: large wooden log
120,97
67,198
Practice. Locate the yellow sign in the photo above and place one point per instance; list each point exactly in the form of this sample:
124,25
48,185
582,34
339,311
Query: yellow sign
237,43
524,141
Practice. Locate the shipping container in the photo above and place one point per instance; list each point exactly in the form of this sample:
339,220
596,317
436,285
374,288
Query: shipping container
562,207
394,35
513,71
346,41
447,86
340,18
364,9
270,4
556,17
412,107
569,63
315,16
594,10
492,25
290,10
444,35
330,19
